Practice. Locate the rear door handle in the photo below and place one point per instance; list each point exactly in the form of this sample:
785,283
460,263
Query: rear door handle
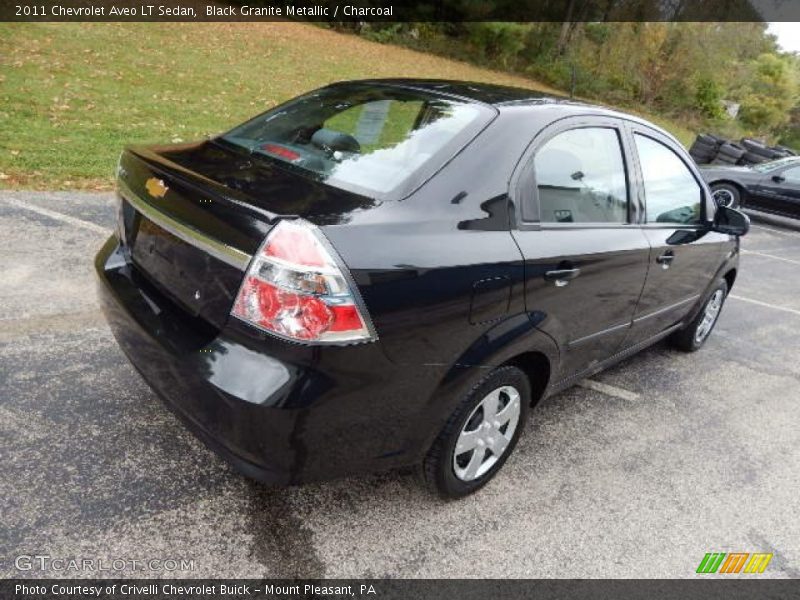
665,260
562,277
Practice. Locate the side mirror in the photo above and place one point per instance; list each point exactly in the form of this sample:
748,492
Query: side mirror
730,221
778,178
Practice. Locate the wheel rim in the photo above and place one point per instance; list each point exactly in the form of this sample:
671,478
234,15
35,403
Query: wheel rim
486,434
710,314
724,197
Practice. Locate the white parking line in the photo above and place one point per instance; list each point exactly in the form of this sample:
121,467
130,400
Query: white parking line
778,231
788,260
766,304
609,390
57,216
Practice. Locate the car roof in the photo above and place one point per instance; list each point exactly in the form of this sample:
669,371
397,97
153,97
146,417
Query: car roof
485,93
499,96
504,96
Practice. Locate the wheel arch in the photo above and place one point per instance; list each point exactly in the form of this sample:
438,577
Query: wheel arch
515,341
537,368
730,277
736,184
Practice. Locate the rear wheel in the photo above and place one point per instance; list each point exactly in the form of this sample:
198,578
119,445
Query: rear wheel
480,435
695,334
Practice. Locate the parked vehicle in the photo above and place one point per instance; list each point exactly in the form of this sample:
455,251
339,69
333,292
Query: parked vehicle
772,186
388,273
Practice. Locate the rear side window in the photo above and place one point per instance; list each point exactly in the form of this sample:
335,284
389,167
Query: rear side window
580,177
671,191
379,141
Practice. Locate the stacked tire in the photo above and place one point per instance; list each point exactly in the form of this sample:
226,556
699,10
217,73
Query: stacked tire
757,152
711,149
729,153
705,148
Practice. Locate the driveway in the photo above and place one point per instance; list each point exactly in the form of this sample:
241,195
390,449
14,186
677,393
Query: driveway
636,473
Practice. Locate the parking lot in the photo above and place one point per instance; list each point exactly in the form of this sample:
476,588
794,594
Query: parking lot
636,473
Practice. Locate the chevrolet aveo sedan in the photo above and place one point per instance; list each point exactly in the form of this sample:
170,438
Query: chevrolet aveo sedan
389,273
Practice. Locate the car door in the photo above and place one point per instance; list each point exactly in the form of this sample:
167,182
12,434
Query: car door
585,254
685,253
780,191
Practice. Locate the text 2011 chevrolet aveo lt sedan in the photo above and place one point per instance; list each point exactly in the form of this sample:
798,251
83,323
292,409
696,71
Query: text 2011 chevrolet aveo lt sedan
388,273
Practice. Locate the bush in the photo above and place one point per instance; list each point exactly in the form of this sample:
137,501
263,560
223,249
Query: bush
708,97
498,41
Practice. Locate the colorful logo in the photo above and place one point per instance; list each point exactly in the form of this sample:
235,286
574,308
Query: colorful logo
155,187
734,562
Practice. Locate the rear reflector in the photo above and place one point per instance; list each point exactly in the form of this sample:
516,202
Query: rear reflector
298,288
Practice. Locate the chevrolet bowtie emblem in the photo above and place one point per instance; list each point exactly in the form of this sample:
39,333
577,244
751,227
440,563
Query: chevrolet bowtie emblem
156,188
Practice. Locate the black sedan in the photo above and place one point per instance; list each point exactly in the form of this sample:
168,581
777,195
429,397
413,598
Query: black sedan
772,186
389,273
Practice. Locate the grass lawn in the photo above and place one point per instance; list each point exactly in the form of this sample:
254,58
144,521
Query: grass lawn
73,94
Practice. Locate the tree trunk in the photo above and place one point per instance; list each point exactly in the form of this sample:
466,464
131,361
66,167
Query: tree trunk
566,28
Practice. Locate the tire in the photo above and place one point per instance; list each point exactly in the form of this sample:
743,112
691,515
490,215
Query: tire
452,475
752,158
731,150
702,151
722,159
726,194
692,337
709,140
750,143
703,147
766,153
701,159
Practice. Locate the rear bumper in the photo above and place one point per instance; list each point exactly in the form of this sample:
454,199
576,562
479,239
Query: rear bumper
278,412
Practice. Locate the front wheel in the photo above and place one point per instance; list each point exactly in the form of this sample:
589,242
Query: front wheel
726,195
695,334
480,435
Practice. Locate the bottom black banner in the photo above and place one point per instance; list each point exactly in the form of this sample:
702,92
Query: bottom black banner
406,589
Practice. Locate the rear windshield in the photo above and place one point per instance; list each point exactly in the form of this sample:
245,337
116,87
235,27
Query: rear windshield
374,140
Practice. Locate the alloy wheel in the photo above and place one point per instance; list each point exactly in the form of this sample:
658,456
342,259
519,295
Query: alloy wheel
724,197
710,314
487,433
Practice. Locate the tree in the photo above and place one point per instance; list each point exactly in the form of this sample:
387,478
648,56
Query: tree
771,95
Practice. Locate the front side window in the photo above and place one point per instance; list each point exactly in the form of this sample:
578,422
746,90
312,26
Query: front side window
375,140
580,177
671,191
771,165
791,175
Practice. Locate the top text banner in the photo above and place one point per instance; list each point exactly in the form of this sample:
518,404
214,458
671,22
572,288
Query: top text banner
360,11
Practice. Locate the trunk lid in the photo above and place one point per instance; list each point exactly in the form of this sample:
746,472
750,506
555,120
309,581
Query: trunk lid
192,216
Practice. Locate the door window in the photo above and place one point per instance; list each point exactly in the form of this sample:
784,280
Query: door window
671,191
792,175
580,177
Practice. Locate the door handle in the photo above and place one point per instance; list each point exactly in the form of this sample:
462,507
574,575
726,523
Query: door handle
665,260
561,277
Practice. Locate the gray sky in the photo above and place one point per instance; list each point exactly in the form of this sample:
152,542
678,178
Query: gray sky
788,35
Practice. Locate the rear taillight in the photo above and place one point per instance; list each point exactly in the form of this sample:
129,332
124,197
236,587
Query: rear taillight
297,288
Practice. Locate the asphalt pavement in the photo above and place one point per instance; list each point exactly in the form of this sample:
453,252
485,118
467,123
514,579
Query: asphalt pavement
636,473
